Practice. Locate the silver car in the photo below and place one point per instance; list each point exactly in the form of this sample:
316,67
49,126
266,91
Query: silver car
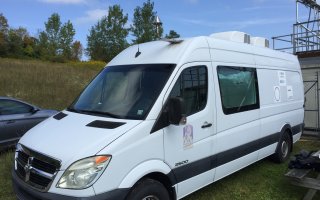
16,118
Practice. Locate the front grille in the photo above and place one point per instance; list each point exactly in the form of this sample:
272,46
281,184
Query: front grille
20,171
39,181
23,158
46,167
34,168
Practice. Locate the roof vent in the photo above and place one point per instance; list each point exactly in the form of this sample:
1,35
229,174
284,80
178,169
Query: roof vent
260,41
235,36
173,40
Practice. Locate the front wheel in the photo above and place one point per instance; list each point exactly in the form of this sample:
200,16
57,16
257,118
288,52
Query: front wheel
284,148
149,189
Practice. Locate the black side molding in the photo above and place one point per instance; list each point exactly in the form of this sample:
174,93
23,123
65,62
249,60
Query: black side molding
60,116
195,168
105,124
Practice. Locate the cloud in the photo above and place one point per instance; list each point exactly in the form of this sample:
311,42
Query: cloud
92,16
64,1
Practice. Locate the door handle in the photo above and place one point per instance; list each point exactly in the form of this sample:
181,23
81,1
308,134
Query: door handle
11,121
206,125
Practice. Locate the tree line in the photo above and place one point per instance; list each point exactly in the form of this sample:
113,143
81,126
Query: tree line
55,43
106,38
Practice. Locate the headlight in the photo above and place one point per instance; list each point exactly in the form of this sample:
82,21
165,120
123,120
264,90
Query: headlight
83,173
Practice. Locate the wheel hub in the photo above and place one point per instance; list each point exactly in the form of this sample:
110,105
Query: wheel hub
150,197
284,149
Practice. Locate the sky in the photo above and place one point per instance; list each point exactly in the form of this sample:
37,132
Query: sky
264,18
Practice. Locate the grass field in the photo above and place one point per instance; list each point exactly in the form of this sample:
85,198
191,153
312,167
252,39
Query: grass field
45,84
55,86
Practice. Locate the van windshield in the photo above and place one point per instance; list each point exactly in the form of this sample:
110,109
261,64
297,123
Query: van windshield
126,91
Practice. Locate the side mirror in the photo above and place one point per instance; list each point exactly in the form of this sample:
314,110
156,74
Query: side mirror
34,110
173,113
176,111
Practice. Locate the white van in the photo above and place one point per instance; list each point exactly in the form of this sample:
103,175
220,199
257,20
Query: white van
165,119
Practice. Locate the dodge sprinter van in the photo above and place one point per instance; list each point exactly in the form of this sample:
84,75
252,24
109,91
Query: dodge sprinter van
164,119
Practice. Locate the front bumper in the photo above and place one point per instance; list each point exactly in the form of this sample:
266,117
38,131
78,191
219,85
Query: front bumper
25,192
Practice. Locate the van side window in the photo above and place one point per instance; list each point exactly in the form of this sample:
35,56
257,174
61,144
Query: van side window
192,86
238,89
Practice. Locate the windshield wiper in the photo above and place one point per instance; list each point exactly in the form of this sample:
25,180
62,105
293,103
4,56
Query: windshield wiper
72,109
100,113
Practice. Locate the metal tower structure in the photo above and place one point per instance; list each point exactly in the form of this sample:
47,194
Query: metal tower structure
304,41
305,37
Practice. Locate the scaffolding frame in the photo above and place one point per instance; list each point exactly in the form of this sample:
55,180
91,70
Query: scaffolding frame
305,36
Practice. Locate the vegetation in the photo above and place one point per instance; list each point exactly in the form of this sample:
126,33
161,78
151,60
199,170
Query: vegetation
6,164
108,37
263,180
45,84
56,42
143,27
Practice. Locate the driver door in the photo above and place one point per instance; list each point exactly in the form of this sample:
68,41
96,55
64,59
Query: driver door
188,147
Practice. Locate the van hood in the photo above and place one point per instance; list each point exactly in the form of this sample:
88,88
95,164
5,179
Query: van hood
72,136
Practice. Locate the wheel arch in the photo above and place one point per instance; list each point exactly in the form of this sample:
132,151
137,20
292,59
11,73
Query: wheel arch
154,169
286,128
165,180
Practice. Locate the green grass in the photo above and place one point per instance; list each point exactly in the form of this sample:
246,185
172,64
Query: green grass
45,84
6,162
52,85
263,180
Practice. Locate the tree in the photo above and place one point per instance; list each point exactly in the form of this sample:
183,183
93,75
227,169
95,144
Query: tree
16,39
76,51
108,37
143,27
53,33
55,42
172,35
4,27
97,42
29,46
67,33
116,31
42,49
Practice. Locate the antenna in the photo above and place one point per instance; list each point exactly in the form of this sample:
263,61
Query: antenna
138,52
158,24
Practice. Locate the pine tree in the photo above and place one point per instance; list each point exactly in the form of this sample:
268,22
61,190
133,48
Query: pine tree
144,28
108,37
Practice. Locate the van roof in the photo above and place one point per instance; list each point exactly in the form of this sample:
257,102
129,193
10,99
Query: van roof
181,52
158,52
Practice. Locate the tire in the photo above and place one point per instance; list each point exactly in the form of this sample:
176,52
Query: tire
284,148
148,189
